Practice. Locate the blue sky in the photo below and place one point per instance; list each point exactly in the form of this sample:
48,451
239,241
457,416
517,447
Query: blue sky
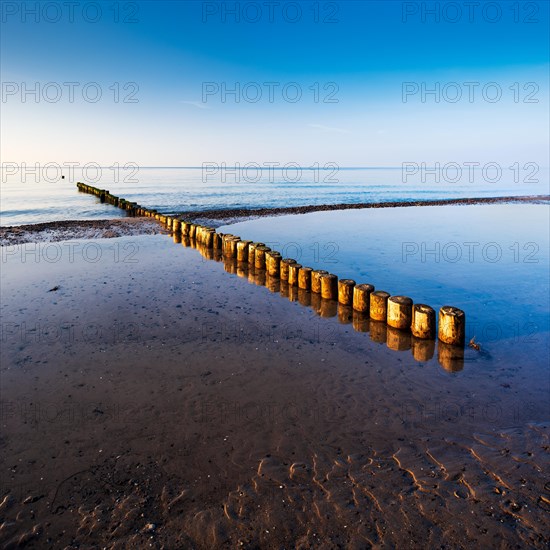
356,54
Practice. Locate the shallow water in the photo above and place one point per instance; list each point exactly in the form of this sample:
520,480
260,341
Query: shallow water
492,261
30,198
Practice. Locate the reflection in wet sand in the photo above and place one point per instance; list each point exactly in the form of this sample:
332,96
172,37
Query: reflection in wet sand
451,358
398,340
423,350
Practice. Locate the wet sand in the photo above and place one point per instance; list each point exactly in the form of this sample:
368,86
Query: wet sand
78,229
161,400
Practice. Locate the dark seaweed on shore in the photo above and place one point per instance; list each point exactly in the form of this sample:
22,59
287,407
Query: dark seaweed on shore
222,214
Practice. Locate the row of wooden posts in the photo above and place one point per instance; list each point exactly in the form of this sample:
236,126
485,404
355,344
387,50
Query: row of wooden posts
450,357
399,312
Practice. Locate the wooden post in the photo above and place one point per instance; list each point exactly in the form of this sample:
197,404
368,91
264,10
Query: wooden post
316,280
285,263
293,270
361,297
230,245
399,313
423,321
252,252
304,278
452,325
259,256
208,238
329,286
345,291
379,305
242,250
273,263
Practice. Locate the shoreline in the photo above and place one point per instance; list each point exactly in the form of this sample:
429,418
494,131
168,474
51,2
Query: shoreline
234,215
131,226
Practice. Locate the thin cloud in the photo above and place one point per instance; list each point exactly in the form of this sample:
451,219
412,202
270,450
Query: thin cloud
196,104
329,128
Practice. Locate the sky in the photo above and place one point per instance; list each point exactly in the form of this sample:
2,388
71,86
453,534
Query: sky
357,83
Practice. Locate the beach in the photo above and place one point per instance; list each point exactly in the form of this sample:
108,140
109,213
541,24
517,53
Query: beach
158,397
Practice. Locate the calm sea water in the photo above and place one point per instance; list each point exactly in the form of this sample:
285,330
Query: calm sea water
492,261
43,196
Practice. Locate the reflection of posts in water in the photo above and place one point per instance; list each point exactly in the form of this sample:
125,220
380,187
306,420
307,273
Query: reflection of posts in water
450,357
316,303
177,238
272,283
452,325
422,349
345,291
423,321
329,286
285,263
379,305
242,269
293,293
217,255
316,280
398,340
361,297
284,289
259,256
242,251
378,331
230,264
304,278
293,270
329,308
251,274
273,263
399,314
304,297
360,321
207,253
345,314
259,277
185,241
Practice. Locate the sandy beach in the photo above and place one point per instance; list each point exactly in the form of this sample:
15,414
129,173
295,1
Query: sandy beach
163,400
